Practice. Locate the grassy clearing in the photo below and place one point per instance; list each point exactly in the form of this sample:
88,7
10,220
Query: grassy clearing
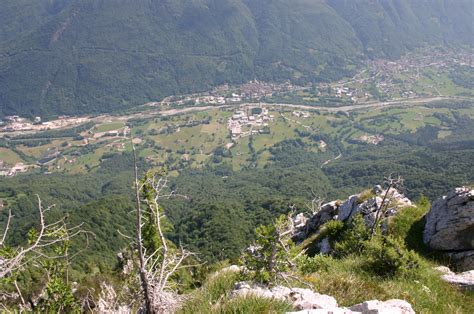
9,156
215,297
38,151
251,304
444,133
350,282
365,195
212,128
109,127
346,280
86,162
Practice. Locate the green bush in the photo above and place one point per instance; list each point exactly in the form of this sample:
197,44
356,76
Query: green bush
351,239
409,224
308,265
215,290
332,229
365,195
272,252
387,257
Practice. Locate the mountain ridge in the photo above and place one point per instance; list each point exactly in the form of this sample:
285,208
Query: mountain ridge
71,57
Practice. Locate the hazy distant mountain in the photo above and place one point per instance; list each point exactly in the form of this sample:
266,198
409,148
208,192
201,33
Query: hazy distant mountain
81,56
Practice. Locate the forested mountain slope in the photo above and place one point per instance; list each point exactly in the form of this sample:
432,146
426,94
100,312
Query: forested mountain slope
67,56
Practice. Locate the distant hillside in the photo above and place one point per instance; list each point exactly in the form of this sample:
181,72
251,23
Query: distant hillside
70,56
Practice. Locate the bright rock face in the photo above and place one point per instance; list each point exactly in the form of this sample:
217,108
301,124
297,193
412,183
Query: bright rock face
394,201
300,298
450,226
307,301
463,280
366,203
393,306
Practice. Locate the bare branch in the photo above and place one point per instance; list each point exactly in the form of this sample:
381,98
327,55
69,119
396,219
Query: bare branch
156,268
6,227
391,183
48,235
124,235
315,206
15,283
139,224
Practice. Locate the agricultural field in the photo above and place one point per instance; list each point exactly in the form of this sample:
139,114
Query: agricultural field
194,140
9,157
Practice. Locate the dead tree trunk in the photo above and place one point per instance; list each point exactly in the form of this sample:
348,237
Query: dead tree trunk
157,265
138,225
390,183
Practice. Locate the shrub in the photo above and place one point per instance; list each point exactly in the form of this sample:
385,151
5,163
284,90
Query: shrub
271,253
308,265
409,223
351,239
216,289
365,195
332,229
388,257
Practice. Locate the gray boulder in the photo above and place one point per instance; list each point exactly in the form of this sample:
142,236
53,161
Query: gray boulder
348,208
307,301
393,306
450,221
449,227
336,310
369,206
300,298
463,280
311,225
464,260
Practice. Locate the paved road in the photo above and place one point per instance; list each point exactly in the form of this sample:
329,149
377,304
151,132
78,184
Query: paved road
380,104
398,102
170,112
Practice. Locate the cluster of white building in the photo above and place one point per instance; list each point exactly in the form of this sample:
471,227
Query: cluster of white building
301,114
122,132
210,100
17,123
372,139
13,123
206,99
10,172
349,92
244,118
218,100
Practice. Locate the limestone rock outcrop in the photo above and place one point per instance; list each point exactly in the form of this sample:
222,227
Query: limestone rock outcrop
393,306
464,260
300,298
369,202
463,280
327,212
308,301
366,203
449,226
